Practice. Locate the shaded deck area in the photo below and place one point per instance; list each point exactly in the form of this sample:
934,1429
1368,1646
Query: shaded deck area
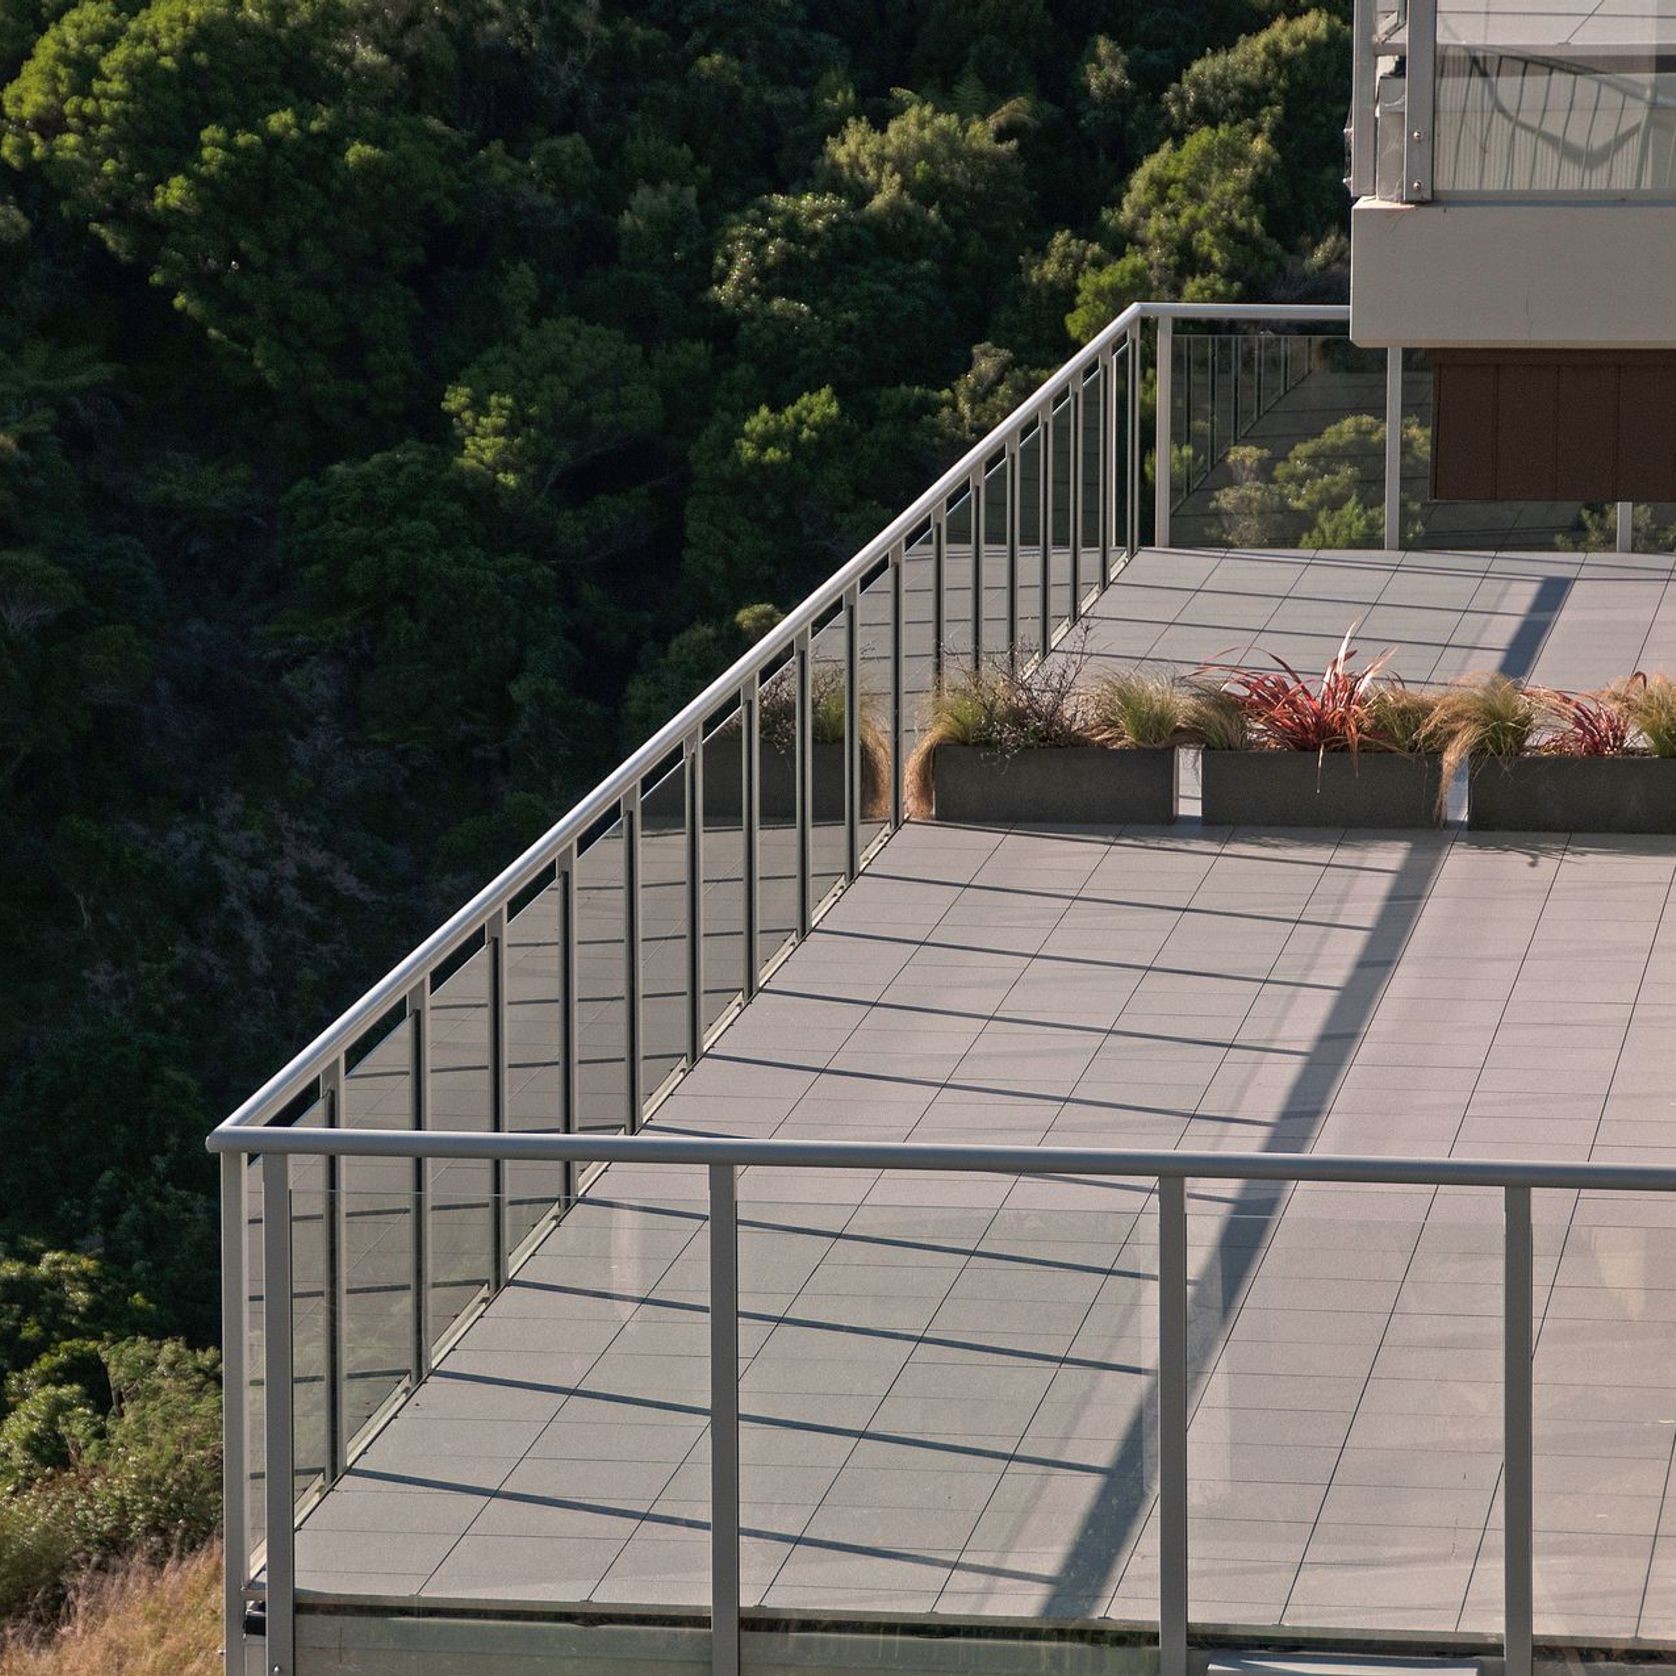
947,1385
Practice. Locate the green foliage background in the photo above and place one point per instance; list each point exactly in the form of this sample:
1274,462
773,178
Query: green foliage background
398,403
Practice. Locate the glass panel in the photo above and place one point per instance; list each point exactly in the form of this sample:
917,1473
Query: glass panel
1030,544
873,628
1308,468
663,928
1477,526
1092,501
829,698
310,1316
601,1011
957,584
1590,114
460,1215
1181,420
948,1393
377,1210
557,1451
1201,409
777,838
535,1050
1060,518
1123,442
992,567
724,869
1345,1441
1604,1399
1653,526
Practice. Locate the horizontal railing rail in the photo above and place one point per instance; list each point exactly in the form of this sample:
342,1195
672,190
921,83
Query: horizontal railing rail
648,1148
1168,1174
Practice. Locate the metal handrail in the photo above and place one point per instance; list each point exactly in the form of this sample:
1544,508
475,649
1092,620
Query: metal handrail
648,1148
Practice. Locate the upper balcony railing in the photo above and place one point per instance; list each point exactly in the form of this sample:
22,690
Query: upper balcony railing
1463,103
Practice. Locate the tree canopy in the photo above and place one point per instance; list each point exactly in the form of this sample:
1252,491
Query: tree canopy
403,409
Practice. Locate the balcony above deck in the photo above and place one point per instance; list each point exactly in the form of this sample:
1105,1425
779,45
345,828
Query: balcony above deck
1514,171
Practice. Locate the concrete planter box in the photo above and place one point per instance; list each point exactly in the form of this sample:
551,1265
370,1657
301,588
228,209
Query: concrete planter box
1069,786
1297,788
1573,794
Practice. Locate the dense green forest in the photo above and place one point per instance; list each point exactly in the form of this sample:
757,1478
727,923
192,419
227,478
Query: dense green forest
398,404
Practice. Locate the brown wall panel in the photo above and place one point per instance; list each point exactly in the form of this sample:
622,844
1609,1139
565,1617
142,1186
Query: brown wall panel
1588,415
1554,424
1647,433
1464,415
1527,416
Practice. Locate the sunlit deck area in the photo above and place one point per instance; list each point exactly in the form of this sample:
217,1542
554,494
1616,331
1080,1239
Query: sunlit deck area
948,1385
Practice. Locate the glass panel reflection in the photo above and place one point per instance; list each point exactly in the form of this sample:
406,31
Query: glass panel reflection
378,1208
535,1056
459,1206
663,928
829,690
724,868
777,836
601,1006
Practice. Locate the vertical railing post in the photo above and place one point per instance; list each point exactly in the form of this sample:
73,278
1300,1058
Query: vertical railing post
1013,484
1419,101
805,735
898,697
419,1042
1108,466
235,1343
852,731
570,1086
1044,463
1073,498
1172,1426
334,1213
278,1463
631,958
939,579
1393,448
494,949
975,497
1626,526
1517,1300
694,793
724,1421
1162,486
750,803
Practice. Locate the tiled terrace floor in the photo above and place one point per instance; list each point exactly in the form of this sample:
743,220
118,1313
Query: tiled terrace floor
948,1383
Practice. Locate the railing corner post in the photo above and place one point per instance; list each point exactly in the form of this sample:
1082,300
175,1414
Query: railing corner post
235,1414
1518,1300
278,1455
724,1421
1172,1426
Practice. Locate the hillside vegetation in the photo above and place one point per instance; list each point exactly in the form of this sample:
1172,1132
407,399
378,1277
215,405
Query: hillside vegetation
140,1620
399,405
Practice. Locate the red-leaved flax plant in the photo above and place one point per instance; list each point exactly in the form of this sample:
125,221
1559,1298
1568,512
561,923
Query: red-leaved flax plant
1287,711
1586,724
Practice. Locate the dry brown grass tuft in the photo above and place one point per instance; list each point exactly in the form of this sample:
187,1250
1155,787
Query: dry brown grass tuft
141,1619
